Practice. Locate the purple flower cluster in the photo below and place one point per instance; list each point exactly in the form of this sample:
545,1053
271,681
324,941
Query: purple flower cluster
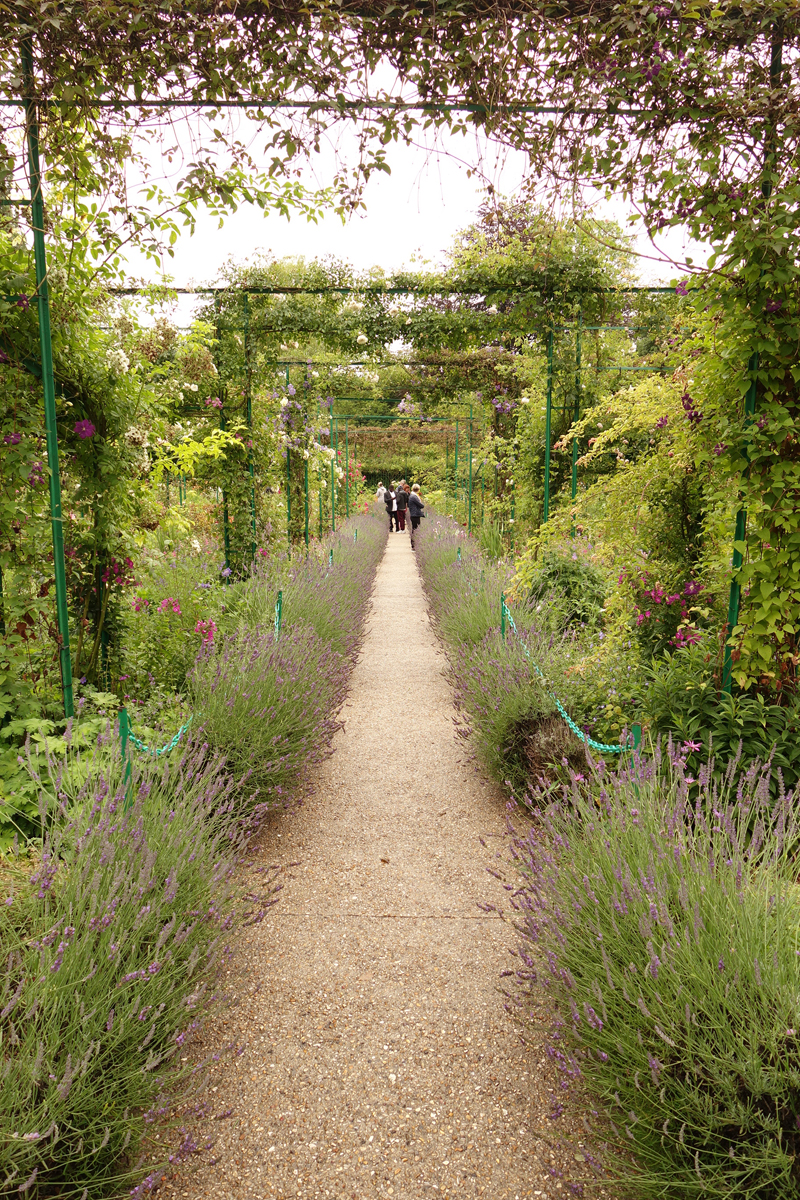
693,414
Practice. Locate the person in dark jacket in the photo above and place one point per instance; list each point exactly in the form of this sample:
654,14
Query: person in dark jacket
402,505
415,510
390,500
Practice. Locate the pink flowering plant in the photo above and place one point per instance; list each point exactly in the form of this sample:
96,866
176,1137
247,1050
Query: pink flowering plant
665,618
177,606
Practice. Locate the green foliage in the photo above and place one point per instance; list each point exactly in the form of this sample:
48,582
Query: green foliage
573,583
29,741
491,542
684,702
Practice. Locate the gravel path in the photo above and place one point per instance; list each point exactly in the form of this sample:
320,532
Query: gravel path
378,1057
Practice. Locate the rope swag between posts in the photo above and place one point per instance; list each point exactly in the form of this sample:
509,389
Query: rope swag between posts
507,621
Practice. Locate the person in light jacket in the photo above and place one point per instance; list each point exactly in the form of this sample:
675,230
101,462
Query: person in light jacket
381,492
415,510
390,500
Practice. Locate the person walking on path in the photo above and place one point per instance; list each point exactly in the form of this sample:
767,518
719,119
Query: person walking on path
381,492
415,510
402,506
390,500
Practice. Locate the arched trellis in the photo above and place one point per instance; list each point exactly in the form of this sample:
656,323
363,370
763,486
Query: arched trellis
36,206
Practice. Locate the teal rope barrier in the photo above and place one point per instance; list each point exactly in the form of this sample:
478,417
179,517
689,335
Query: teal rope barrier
128,738
507,621
127,735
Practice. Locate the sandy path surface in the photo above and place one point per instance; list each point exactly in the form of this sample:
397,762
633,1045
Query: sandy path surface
378,1059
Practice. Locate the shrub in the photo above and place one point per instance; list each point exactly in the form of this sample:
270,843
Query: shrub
667,932
111,945
683,700
577,586
271,706
166,619
332,599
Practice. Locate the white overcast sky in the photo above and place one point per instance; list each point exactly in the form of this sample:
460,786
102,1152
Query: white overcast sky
412,214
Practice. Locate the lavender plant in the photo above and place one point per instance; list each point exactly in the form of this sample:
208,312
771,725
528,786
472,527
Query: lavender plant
112,937
330,598
505,708
271,707
666,928
271,704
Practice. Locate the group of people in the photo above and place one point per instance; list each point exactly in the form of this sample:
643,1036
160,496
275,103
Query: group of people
400,499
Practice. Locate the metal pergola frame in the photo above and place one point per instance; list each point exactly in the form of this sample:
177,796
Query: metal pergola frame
36,204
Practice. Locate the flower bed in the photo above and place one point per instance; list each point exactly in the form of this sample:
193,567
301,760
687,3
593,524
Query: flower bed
114,931
666,928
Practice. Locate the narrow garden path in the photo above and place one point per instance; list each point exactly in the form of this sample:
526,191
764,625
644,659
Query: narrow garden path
378,1058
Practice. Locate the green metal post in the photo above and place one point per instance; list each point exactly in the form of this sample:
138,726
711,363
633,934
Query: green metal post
455,477
739,534
577,409
226,532
446,469
502,616
547,428
740,530
124,734
278,615
289,498
305,484
346,468
469,518
48,379
249,386
333,482
513,517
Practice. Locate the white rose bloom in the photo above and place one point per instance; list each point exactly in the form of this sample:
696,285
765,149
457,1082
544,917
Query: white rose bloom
315,374
193,387
284,402
362,339
305,454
